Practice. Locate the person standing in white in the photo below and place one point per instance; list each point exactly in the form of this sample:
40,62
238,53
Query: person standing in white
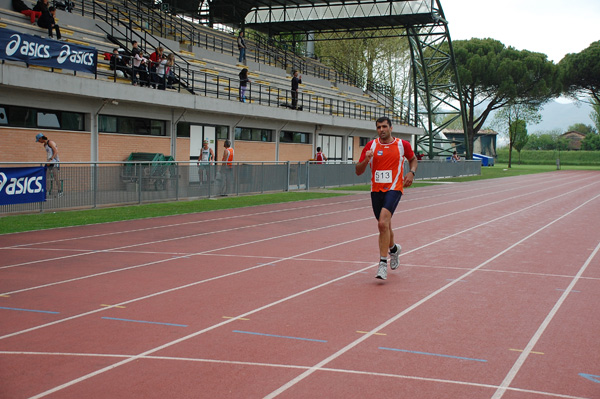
52,162
206,155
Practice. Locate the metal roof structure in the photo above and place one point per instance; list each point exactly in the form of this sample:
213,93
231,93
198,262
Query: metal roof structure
435,84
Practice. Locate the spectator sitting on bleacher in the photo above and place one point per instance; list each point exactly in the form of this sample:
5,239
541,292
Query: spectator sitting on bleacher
170,70
65,5
161,72
139,65
21,7
120,64
155,59
47,21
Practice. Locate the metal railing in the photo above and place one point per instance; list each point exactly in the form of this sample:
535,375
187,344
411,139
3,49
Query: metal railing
84,185
171,23
212,85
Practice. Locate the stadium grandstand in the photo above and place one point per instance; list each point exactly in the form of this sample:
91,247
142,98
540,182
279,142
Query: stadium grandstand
101,116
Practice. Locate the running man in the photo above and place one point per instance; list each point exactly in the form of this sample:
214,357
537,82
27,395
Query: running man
386,156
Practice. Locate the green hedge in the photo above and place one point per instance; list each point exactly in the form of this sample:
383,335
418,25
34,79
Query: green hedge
529,157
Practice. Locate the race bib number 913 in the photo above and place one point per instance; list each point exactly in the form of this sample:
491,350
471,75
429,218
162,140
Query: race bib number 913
383,176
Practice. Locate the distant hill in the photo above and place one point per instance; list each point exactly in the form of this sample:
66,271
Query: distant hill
557,115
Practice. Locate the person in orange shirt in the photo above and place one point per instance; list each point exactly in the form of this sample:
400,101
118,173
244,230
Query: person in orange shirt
227,169
386,156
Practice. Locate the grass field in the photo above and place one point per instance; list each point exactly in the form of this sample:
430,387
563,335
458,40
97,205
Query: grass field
18,223
499,170
541,157
40,221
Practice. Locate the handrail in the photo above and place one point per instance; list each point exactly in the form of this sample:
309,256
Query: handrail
109,18
268,50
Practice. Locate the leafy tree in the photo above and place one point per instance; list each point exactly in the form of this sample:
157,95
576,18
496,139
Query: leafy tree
516,117
519,137
580,72
385,60
591,142
547,141
595,114
493,76
581,128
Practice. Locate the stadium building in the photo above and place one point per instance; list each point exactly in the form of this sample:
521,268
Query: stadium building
100,116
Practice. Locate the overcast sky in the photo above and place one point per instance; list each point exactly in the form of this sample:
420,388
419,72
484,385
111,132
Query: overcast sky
552,27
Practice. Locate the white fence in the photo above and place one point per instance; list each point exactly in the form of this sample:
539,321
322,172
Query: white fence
91,185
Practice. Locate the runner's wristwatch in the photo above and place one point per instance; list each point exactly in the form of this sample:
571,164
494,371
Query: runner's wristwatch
413,172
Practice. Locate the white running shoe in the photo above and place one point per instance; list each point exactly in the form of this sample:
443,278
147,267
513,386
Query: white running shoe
394,257
382,271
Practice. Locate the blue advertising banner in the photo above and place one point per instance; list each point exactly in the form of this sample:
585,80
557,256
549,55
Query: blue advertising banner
22,185
37,50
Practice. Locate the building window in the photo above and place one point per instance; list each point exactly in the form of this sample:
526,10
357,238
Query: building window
3,116
11,115
363,141
48,120
294,137
252,134
184,129
21,117
129,125
222,132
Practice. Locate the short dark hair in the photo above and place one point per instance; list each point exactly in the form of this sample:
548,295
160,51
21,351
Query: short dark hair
227,143
384,119
318,149
52,9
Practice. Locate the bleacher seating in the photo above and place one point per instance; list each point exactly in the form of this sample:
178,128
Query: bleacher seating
206,58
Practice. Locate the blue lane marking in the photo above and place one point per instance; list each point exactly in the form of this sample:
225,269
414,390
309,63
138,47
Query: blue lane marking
433,354
278,336
593,378
30,310
147,322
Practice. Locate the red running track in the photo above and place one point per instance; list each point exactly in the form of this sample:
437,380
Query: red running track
495,297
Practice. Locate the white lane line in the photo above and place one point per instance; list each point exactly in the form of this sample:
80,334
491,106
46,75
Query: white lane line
290,366
251,226
342,351
220,218
428,196
536,337
276,261
267,239
348,347
512,188
178,238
